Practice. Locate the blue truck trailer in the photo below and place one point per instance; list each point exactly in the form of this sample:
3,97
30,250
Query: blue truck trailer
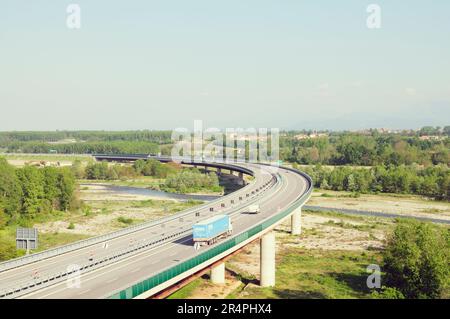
211,230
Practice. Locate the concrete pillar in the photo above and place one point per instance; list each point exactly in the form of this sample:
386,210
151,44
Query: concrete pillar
241,179
267,262
296,222
218,274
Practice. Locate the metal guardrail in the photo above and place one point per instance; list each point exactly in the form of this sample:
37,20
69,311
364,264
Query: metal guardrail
118,255
173,271
20,261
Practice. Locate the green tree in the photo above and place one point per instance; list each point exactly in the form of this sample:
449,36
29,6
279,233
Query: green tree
351,183
32,182
10,190
7,250
77,169
66,186
51,189
416,260
139,166
446,130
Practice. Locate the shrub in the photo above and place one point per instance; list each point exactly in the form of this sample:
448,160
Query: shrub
190,181
387,293
416,259
125,220
7,250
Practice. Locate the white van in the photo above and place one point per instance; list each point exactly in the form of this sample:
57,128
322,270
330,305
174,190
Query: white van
253,209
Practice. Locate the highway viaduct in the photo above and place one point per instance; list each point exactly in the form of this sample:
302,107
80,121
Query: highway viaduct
154,258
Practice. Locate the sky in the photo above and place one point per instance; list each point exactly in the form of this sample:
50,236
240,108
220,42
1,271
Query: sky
288,64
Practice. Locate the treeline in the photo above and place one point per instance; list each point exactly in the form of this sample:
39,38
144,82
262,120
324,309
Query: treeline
365,150
112,147
175,178
155,168
431,130
433,181
29,191
105,171
87,136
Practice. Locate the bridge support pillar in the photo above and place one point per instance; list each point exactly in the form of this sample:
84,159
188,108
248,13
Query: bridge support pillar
241,179
267,262
219,171
218,274
296,222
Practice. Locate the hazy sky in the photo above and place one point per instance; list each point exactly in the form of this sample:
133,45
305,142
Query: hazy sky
234,63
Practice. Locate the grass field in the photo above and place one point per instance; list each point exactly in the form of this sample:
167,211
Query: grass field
186,291
328,260
317,274
300,274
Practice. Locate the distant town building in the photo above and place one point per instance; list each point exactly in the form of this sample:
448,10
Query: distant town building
431,138
309,136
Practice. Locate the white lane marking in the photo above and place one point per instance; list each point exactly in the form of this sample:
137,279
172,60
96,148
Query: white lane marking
112,280
82,251
135,270
131,257
118,243
103,273
83,292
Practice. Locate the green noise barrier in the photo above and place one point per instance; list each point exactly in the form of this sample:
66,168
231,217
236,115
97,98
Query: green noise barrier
174,271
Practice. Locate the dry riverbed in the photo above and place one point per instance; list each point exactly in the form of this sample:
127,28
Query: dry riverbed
408,205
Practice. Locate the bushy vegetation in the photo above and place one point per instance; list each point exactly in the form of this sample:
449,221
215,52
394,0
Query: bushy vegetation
29,191
155,168
417,260
7,249
191,181
368,148
433,181
175,179
387,293
125,220
82,142
344,148
113,147
105,171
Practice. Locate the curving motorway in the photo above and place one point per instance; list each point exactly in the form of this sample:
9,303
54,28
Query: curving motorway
120,265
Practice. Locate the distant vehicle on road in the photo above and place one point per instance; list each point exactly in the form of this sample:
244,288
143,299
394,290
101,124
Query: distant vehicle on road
210,230
253,209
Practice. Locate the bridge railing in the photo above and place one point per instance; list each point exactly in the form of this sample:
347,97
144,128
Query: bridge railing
20,261
167,274
26,287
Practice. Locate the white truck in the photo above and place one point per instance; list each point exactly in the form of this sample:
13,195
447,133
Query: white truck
253,209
